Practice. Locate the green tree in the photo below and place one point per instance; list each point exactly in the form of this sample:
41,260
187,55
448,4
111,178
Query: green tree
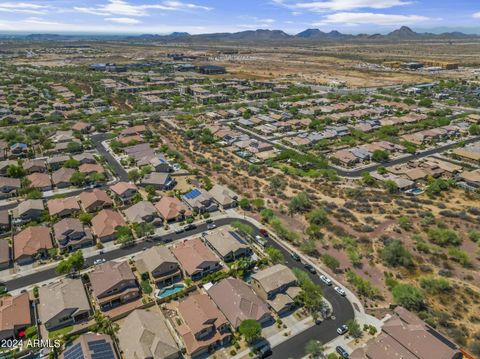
395,254
134,176
319,217
275,255
85,217
314,348
71,163
244,204
354,328
474,129
78,179
408,296
299,203
390,186
75,262
15,171
74,147
258,203
380,156
367,179
243,228
251,330
331,262
123,235
444,236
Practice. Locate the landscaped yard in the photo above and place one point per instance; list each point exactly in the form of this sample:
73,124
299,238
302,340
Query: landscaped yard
60,332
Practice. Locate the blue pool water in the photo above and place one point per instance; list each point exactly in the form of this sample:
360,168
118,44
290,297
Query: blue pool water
166,292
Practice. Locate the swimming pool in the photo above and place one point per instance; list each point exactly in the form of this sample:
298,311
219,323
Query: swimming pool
168,291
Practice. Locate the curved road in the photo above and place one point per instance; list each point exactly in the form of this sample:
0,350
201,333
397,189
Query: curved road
292,348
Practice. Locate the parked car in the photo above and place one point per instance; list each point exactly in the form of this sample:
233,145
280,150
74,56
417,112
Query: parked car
340,291
209,220
343,353
342,329
190,227
211,226
98,261
261,241
295,256
325,280
180,230
310,268
263,232
264,351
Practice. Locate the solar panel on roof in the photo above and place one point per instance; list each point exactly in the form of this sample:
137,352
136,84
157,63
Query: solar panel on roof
192,194
101,349
74,352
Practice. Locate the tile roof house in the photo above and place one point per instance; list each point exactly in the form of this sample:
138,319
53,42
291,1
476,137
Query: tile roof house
407,336
145,334
161,265
161,181
63,303
239,302
90,346
82,127
199,201
5,254
34,165
227,244
204,326
277,285
9,187
106,223
30,209
224,196
31,242
125,190
95,200
90,168
4,220
172,209
195,258
113,283
84,158
55,162
40,181
143,211
15,315
61,177
71,233
63,207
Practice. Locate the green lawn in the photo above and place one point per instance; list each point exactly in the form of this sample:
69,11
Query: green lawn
61,331
146,287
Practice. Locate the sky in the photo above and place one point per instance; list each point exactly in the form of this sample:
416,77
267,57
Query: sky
209,16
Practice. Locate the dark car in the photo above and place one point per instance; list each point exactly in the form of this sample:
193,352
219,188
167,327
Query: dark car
209,220
180,230
263,232
295,256
190,227
310,268
343,353
264,352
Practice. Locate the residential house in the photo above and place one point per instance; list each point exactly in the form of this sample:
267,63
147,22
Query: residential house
145,334
63,207
61,178
90,346
106,223
71,233
160,264
277,285
227,244
31,243
4,221
15,315
95,200
90,168
82,127
40,181
4,166
160,164
113,283
34,165
84,158
55,162
404,335
199,201
18,150
225,197
141,212
29,210
195,258
171,209
161,181
9,187
238,302
63,303
204,326
124,190
5,254
471,178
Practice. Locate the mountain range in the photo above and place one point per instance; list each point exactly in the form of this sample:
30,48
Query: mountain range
404,33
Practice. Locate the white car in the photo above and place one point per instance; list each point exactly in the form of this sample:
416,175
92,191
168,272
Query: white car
98,261
340,291
326,280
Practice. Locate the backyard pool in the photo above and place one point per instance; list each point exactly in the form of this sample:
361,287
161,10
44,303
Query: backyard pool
168,291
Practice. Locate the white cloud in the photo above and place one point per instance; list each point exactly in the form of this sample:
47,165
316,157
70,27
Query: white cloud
123,20
342,5
356,18
23,8
39,21
123,8
477,15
